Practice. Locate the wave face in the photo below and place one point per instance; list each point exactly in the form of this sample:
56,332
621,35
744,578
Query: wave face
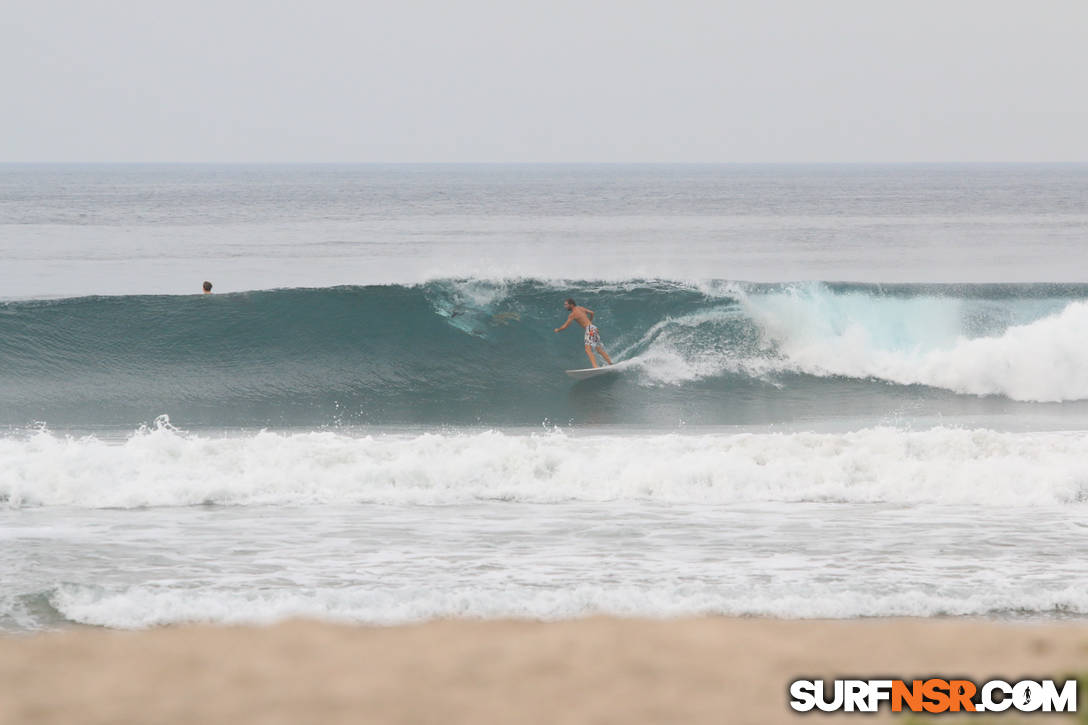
483,352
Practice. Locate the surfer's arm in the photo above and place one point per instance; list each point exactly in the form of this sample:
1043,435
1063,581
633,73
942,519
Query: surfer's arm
590,313
565,324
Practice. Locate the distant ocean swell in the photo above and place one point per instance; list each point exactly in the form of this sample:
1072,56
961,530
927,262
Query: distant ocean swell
165,467
479,351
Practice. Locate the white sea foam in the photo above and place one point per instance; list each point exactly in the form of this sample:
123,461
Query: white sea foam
698,345
141,606
925,343
165,467
1040,355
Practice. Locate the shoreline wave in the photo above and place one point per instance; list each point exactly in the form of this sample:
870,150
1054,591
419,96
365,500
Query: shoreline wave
144,607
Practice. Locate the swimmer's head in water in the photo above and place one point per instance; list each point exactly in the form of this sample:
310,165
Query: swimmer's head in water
207,287
570,304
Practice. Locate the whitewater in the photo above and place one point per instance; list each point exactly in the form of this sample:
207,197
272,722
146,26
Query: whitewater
849,391
167,467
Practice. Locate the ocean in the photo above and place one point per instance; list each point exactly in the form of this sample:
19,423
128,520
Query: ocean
849,391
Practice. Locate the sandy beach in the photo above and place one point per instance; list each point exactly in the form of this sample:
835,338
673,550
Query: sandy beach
599,670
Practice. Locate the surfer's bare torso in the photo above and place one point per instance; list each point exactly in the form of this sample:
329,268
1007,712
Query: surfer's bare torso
579,314
584,317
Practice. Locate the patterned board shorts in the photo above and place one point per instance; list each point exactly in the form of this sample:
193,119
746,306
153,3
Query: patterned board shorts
593,337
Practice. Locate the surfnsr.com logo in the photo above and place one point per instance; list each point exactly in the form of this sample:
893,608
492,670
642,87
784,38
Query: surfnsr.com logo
933,695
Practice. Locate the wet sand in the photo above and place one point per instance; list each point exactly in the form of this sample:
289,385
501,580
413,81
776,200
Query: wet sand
598,670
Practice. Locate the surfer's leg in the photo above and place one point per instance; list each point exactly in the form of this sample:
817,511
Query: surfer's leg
592,359
604,354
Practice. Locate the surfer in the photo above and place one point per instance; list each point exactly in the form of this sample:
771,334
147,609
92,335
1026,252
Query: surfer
584,317
207,287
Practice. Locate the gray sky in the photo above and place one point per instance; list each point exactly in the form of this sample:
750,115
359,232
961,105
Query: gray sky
550,80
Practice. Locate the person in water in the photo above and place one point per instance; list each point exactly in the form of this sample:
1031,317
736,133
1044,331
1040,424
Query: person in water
584,317
207,288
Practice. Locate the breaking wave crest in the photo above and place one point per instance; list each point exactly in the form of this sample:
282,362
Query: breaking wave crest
483,352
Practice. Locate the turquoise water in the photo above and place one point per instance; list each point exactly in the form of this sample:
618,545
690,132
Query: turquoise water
843,384
483,353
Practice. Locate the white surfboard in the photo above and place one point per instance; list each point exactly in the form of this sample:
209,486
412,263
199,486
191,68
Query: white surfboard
586,373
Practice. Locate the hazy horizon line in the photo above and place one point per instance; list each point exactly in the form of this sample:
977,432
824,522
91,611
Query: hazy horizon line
546,163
